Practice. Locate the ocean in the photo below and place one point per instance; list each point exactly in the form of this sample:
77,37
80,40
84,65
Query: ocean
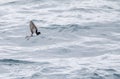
80,39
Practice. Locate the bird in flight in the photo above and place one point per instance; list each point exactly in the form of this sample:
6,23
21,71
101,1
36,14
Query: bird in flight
33,29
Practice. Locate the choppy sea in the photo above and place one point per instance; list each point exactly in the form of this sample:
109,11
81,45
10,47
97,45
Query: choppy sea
80,39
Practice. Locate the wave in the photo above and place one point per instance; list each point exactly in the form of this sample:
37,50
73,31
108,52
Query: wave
100,67
19,62
12,61
69,27
12,3
22,2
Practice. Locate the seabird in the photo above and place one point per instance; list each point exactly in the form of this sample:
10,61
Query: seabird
33,29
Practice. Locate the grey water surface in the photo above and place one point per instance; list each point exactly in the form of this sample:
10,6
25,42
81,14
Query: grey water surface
80,39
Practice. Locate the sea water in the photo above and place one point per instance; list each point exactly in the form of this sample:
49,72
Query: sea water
80,39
